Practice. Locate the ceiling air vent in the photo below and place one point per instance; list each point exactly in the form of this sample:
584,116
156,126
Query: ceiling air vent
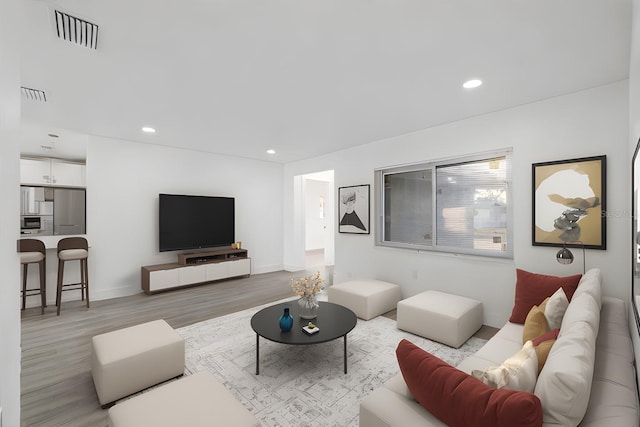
34,94
76,30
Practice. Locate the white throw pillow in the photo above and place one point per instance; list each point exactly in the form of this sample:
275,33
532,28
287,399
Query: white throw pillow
519,372
555,309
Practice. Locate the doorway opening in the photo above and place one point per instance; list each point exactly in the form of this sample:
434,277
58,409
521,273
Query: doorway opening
318,218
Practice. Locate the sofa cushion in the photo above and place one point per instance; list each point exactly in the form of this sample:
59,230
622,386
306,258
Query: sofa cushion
555,308
532,289
457,398
564,384
590,314
535,324
614,399
591,283
518,372
385,408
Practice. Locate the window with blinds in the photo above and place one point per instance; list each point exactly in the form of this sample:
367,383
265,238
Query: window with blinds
460,205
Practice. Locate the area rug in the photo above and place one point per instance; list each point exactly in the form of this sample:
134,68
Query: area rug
303,385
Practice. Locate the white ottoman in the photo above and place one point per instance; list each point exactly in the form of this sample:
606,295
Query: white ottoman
449,319
128,360
367,298
198,400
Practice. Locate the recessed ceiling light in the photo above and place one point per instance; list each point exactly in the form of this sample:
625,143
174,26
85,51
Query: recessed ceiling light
148,130
470,84
271,151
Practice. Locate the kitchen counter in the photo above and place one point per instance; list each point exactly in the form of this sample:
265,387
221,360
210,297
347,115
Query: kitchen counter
51,242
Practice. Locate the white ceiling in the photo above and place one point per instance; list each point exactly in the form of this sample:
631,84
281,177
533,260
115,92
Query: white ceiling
308,77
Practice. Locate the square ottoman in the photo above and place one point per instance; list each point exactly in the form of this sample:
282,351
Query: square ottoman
439,316
367,298
129,360
197,400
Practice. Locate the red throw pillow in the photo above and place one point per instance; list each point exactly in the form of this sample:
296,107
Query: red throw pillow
532,289
458,399
550,335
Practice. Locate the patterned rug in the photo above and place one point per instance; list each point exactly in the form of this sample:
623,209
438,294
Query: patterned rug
303,385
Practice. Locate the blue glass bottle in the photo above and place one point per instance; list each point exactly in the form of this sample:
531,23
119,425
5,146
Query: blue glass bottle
286,321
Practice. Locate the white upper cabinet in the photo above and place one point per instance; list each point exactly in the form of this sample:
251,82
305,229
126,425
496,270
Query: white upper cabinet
35,171
66,173
52,172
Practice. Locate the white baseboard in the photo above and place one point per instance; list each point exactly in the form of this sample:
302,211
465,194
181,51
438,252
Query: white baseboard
123,291
293,268
266,269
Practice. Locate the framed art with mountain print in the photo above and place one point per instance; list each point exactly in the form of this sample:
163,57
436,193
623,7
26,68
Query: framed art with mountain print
353,209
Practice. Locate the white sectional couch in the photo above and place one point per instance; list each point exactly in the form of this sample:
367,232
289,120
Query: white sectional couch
587,380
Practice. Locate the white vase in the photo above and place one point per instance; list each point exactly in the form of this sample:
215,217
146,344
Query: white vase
308,307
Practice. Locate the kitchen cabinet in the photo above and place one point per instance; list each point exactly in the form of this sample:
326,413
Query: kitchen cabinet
46,171
67,173
35,171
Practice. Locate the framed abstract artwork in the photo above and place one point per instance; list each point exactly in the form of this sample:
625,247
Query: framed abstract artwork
354,209
569,203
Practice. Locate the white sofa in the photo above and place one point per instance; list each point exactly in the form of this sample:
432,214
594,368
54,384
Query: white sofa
587,380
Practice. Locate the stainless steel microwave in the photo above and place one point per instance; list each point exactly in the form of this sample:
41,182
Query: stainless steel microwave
31,222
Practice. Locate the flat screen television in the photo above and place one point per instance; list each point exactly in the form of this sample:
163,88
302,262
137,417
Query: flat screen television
193,222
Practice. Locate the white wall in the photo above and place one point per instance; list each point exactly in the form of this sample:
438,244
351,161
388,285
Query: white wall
123,182
9,213
587,123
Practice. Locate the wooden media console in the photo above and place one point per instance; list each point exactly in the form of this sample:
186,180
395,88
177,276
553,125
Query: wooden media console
196,268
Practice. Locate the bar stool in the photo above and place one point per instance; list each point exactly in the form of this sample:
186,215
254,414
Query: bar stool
73,249
32,251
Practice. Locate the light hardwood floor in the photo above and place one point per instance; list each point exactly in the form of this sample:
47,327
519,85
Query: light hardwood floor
57,388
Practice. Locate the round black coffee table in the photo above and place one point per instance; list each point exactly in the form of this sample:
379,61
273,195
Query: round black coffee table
333,321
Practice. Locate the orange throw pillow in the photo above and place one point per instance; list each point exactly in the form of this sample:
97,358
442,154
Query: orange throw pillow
458,399
542,352
532,289
535,324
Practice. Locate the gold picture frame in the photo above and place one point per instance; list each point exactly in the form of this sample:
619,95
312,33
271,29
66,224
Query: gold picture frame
569,203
